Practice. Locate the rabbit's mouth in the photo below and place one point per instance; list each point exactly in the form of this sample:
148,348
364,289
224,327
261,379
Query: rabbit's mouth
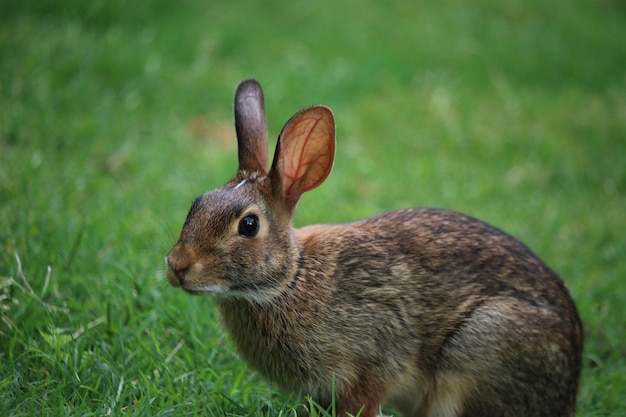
261,297
205,290
194,292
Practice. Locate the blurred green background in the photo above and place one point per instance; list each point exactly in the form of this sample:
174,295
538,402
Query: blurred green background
114,115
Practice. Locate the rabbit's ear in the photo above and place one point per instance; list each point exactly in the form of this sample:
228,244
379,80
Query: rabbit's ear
304,153
251,127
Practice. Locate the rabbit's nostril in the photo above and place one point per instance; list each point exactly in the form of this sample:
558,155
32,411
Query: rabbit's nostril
180,273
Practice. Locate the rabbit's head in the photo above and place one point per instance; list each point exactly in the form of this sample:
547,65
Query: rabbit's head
237,240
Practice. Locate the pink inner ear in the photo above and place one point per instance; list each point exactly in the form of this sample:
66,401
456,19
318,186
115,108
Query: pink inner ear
308,148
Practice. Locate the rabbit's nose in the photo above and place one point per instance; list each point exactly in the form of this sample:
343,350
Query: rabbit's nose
176,271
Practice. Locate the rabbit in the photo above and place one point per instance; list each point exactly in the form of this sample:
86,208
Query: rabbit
430,312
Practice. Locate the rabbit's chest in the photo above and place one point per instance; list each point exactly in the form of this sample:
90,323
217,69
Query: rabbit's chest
278,346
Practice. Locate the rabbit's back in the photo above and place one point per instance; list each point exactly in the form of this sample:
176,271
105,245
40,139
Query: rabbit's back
434,260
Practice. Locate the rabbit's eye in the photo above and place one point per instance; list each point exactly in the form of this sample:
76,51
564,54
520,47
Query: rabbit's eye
249,226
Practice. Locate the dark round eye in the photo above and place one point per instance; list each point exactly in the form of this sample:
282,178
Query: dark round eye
249,226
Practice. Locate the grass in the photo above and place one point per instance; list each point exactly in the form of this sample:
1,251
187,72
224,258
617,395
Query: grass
113,117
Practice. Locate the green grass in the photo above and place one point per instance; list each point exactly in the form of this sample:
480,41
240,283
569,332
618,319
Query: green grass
115,115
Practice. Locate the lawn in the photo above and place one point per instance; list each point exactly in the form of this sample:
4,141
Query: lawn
115,115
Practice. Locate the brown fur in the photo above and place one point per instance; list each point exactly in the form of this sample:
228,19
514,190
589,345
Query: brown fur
430,311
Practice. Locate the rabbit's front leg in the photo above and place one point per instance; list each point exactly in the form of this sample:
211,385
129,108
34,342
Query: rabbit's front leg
363,398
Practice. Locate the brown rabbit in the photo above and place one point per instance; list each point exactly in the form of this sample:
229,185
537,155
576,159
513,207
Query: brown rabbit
429,311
